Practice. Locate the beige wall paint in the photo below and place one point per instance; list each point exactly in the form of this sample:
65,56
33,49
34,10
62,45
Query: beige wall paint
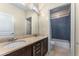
45,16
19,17
77,29
34,21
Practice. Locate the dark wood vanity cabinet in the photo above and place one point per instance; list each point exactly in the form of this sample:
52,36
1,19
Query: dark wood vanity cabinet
26,51
39,48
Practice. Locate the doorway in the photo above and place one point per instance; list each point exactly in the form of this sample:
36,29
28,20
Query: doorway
60,28
29,26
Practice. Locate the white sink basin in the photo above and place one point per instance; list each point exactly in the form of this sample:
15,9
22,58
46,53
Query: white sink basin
15,44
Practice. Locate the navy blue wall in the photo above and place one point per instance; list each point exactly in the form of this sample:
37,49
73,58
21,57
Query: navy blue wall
60,27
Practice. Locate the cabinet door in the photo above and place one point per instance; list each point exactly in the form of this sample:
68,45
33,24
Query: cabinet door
20,52
44,46
29,51
26,51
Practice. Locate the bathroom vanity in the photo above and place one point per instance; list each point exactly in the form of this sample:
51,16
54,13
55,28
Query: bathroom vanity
36,46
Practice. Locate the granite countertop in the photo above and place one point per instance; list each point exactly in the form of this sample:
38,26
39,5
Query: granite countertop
29,40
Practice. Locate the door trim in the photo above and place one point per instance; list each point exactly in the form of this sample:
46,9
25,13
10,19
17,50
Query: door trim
73,31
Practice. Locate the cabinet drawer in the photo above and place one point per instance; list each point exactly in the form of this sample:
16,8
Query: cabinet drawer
37,53
38,48
37,44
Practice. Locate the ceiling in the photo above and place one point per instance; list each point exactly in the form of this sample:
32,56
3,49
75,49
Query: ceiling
27,6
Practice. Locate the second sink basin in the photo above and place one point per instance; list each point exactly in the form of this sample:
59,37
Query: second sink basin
15,44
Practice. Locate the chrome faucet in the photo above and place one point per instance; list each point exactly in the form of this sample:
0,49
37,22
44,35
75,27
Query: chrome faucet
12,39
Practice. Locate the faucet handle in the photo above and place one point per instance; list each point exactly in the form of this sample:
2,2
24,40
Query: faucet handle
12,39
12,33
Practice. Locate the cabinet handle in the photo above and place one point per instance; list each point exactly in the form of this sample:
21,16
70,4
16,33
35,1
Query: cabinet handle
38,44
38,51
38,48
12,33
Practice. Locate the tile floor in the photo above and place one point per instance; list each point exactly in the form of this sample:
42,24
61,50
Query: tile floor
61,48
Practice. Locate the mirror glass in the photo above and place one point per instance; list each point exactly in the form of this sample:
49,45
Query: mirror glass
18,19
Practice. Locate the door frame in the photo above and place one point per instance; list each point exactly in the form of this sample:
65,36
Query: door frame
72,36
73,29
31,24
